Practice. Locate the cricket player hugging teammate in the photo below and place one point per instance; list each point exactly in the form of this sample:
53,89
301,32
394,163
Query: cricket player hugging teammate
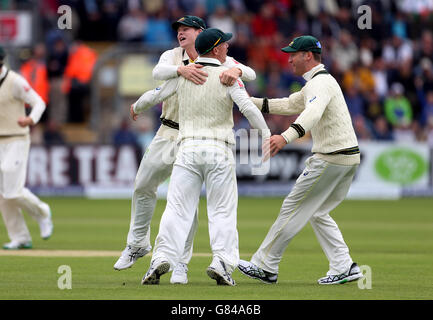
15,92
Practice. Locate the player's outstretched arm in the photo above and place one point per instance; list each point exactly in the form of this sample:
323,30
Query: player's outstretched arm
290,106
153,97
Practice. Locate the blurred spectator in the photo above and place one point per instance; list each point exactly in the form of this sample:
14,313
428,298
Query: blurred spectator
380,77
263,23
425,47
132,25
361,129
56,65
315,7
76,80
426,100
397,52
158,31
220,19
354,101
399,25
359,77
405,76
35,72
239,48
426,74
124,135
212,5
52,134
111,15
398,110
90,14
373,107
345,51
381,130
325,26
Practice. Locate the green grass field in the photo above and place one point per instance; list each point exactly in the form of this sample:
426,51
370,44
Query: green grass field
394,238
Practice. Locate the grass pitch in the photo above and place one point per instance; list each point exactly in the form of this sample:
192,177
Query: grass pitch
393,238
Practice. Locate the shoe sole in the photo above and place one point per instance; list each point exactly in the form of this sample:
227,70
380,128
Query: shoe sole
255,278
19,248
221,281
178,282
159,271
347,279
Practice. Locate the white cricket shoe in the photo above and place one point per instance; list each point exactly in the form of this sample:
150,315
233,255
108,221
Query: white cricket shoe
156,270
352,274
180,274
46,224
15,245
129,256
218,271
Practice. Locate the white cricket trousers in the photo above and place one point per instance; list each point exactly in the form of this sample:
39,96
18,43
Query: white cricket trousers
318,190
155,167
14,197
198,161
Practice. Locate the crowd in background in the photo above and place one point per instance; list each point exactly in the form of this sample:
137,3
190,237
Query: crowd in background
385,71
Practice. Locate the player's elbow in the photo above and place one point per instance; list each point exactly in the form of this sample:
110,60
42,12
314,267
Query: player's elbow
156,74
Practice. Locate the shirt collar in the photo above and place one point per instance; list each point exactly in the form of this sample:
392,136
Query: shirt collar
208,60
3,71
309,74
186,58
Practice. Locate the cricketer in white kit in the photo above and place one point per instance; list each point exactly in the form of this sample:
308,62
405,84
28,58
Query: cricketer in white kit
205,155
15,92
328,173
157,163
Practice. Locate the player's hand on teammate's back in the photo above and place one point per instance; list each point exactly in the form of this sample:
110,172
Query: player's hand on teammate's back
132,113
25,122
276,143
229,77
193,73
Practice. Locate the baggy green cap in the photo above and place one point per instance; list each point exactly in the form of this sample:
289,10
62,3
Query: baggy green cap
304,43
209,39
190,21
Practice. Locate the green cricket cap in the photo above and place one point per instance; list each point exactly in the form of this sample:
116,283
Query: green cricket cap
190,21
209,39
2,54
304,43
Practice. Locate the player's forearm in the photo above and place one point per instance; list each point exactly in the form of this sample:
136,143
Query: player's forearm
304,123
256,120
164,71
155,96
248,74
38,108
254,117
292,105
147,100
34,101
